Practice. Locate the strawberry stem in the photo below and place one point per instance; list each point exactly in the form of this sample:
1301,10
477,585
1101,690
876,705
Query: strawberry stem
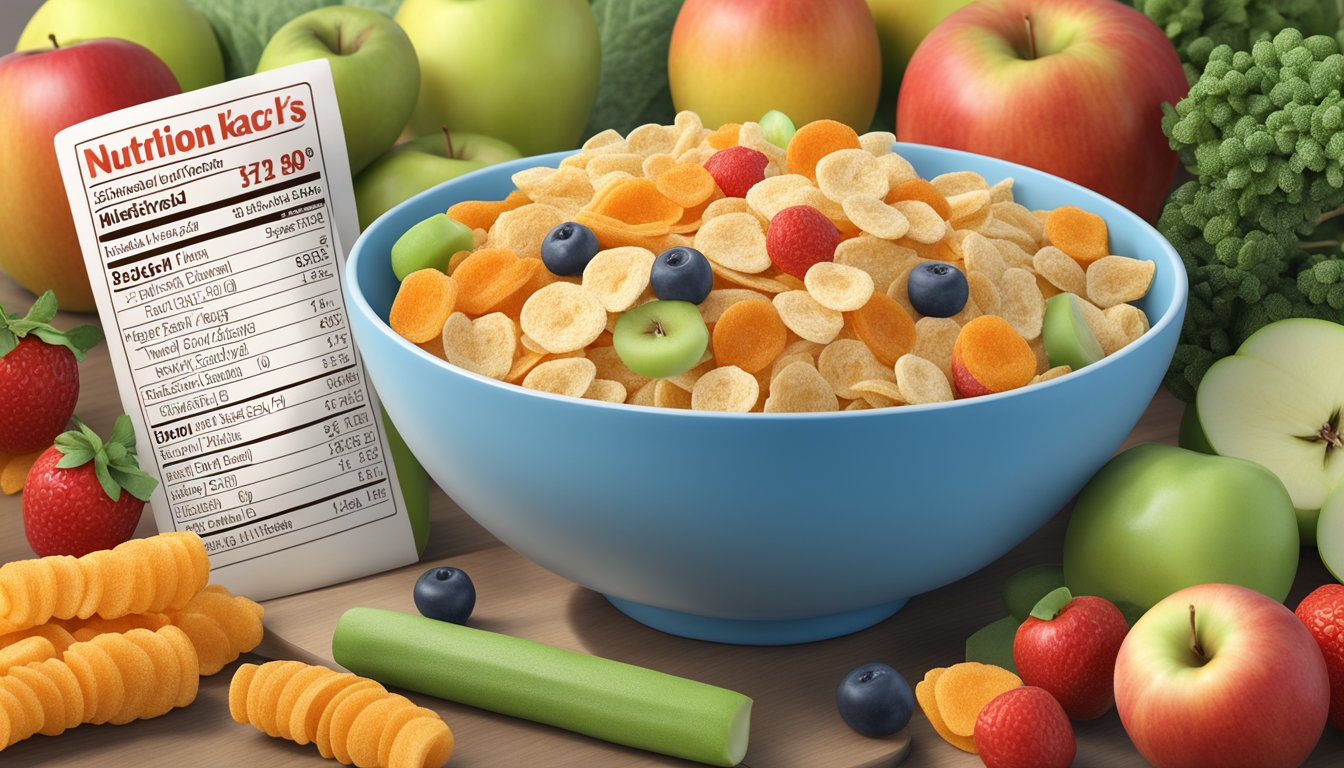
37,322
114,462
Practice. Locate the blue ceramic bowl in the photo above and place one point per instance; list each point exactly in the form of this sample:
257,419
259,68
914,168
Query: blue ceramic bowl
755,528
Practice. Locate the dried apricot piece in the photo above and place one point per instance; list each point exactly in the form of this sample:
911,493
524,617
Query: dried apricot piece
965,688
725,136
423,303
884,325
816,140
686,185
487,277
1081,234
481,214
636,201
990,356
750,335
924,192
928,701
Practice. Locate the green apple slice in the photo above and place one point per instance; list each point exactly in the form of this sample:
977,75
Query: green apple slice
1277,402
1330,533
1068,339
429,245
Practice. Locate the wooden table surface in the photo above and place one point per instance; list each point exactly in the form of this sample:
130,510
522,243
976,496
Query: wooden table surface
929,632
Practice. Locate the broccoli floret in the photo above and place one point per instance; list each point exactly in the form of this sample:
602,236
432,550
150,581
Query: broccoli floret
1197,27
1259,228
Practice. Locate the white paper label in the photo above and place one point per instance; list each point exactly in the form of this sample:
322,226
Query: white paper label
213,226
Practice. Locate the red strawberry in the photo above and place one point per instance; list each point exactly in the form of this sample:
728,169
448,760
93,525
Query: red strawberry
84,494
1024,728
737,169
799,237
1068,646
1323,613
39,375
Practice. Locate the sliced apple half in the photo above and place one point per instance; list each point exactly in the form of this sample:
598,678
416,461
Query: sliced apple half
1278,402
1067,337
1330,533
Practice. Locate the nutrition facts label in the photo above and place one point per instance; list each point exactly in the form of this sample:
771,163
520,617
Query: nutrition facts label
212,226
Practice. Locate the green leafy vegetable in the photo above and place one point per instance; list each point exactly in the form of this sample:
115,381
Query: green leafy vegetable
1196,27
244,27
1259,227
633,87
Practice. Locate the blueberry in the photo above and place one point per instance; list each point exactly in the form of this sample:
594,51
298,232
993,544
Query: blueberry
938,289
875,700
446,594
682,274
568,248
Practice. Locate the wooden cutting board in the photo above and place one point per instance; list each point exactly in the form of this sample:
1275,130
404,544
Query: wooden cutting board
794,720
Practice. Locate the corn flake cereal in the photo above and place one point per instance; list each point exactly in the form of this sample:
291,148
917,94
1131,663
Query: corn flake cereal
838,287
735,241
926,226
563,317
726,388
800,388
803,315
845,362
1113,280
483,346
875,217
849,172
920,381
617,276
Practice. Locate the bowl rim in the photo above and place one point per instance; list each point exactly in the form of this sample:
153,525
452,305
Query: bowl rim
1174,312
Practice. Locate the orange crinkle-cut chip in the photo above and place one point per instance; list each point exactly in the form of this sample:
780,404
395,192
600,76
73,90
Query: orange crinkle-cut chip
347,717
423,303
749,335
995,357
686,184
816,140
1080,234
481,214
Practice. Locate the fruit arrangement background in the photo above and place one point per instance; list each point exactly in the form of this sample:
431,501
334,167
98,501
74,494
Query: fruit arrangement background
556,612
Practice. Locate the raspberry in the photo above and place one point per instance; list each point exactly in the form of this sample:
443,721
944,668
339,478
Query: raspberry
1323,613
1024,728
799,237
736,169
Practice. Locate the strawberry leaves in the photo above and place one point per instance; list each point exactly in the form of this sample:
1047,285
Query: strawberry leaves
37,322
114,462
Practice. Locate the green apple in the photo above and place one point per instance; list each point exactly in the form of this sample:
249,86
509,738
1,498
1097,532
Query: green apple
1330,533
373,67
172,29
778,128
1067,337
411,168
523,70
661,338
901,25
429,245
1277,402
1158,518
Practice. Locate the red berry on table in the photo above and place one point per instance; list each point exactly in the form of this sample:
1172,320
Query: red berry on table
1068,646
85,493
737,169
800,236
1024,728
1323,613
39,375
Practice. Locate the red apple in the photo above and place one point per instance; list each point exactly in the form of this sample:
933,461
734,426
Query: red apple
734,60
1072,87
41,93
1068,647
1220,675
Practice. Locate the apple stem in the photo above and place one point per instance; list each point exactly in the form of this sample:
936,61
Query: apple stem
1330,434
52,37
1031,36
658,328
1195,646
448,139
